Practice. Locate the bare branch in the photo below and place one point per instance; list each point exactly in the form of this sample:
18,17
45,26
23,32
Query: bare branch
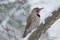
43,27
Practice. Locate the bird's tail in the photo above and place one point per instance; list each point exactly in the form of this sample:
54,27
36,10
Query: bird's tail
24,35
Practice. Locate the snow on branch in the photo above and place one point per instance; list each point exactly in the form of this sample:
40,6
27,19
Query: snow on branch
43,27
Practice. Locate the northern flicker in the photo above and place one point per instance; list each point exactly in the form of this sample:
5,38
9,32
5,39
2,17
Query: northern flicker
32,21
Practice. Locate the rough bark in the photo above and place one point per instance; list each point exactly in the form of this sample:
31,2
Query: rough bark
43,27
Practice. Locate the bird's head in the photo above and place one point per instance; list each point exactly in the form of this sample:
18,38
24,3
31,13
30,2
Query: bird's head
37,10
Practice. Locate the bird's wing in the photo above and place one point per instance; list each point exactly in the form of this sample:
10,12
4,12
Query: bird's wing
27,25
29,21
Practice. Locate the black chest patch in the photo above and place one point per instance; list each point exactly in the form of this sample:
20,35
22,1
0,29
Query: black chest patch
38,15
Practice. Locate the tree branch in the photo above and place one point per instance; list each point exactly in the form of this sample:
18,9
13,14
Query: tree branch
43,27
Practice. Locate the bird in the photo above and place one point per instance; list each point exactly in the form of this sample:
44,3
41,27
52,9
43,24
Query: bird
32,21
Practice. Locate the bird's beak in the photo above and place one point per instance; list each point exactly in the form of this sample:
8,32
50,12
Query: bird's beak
41,8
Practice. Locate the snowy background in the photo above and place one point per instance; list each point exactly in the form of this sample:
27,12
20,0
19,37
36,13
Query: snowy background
13,15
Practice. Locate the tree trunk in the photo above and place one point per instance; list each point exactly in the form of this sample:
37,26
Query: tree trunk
43,27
